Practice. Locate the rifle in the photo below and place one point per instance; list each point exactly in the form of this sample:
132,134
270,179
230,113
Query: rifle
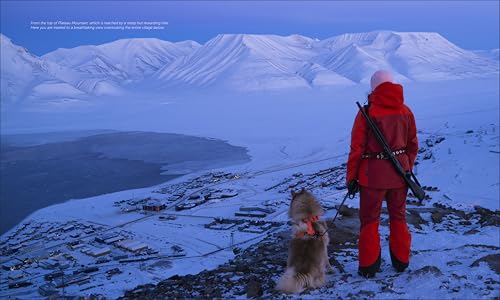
414,185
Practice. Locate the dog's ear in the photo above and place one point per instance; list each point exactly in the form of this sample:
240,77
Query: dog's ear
293,193
302,190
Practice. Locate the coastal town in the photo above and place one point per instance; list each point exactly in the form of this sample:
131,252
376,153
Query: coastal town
132,240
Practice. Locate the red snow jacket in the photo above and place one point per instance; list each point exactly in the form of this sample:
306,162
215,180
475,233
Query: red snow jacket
397,123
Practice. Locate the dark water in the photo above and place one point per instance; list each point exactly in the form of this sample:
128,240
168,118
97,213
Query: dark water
36,175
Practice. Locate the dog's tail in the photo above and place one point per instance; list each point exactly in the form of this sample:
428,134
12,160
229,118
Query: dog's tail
293,283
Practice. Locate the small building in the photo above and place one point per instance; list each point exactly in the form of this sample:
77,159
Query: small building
256,208
153,205
74,246
102,260
250,214
19,284
184,206
53,236
96,252
194,196
221,194
114,239
252,229
71,279
68,227
12,265
132,246
137,247
114,271
49,264
120,256
86,270
15,275
47,290
223,224
102,238
47,230
53,275
130,208
16,247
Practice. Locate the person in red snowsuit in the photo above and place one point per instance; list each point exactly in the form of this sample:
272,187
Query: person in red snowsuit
376,176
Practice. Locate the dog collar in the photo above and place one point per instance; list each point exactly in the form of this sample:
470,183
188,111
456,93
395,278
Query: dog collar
309,221
310,230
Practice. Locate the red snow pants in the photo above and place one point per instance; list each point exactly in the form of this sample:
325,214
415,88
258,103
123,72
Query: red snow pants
369,215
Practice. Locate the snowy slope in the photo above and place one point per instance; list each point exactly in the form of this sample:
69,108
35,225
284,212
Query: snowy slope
245,61
493,53
420,56
22,71
125,59
253,62
28,77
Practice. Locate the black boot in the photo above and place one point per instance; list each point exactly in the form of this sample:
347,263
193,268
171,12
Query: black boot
369,272
397,264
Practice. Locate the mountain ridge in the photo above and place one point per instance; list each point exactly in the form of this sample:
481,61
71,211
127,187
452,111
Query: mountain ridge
241,62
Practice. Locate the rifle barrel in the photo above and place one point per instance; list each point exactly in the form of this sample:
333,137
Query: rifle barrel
414,186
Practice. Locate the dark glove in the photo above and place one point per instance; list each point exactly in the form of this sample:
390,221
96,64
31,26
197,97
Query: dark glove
352,188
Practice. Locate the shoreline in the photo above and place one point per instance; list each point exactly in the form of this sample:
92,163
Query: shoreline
40,175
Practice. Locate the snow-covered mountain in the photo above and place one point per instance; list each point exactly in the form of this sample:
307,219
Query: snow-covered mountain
122,60
420,56
25,76
246,61
269,61
236,62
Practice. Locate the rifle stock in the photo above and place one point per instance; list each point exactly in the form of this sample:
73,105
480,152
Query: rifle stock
414,186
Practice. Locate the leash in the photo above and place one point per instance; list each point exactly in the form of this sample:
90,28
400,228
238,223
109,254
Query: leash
347,195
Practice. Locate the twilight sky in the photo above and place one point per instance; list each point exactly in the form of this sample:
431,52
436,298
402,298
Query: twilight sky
469,24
